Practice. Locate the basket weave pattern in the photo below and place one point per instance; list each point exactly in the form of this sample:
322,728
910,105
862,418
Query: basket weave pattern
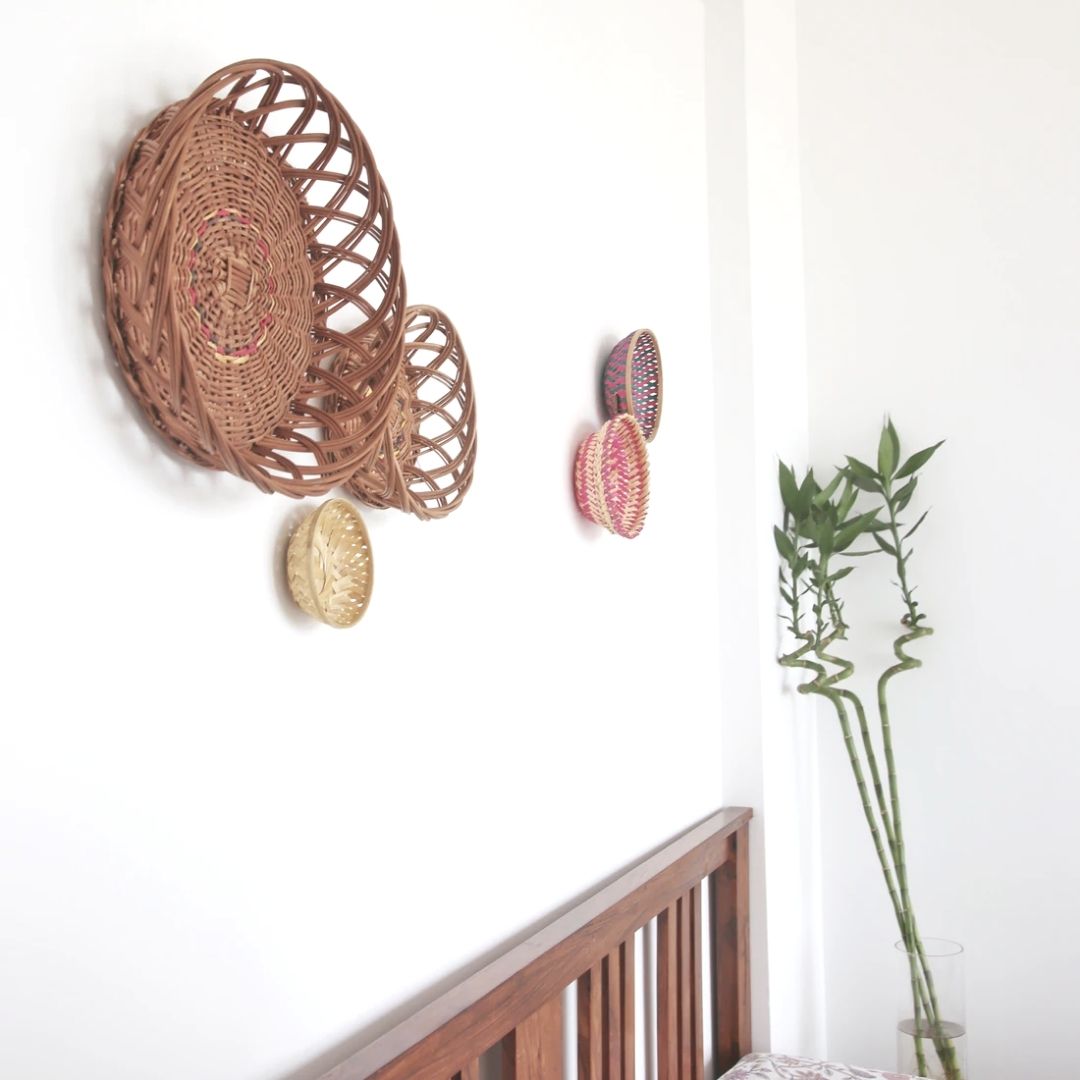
425,461
248,241
611,477
633,381
329,564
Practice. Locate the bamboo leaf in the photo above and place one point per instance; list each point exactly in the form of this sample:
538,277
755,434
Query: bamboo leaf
885,545
826,533
862,476
866,485
917,461
847,500
838,575
911,531
903,496
789,490
868,520
787,597
807,490
846,537
784,544
853,529
827,492
888,454
895,438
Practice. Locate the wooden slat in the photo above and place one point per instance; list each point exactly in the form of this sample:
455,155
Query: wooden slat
629,1008
697,987
729,915
667,991
590,1025
534,1049
462,1023
685,1007
470,1072
606,1017
613,1025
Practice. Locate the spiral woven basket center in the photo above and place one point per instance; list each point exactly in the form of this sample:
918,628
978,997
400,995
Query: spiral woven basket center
242,283
232,290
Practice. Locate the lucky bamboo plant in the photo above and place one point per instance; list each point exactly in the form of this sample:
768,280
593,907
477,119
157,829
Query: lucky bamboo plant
821,527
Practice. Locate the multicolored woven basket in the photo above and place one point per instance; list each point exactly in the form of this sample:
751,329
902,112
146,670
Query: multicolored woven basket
611,477
633,381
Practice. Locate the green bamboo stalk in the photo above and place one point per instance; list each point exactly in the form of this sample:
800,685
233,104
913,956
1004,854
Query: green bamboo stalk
944,1046
813,523
821,685
901,908
847,670
797,660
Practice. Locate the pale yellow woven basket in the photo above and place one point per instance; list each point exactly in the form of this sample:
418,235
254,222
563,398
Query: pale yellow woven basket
329,564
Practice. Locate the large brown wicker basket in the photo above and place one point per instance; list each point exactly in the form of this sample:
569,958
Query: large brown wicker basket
248,242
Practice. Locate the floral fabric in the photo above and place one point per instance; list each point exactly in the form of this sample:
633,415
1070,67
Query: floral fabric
781,1067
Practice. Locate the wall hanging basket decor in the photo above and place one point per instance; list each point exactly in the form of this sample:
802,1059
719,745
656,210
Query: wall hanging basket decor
425,461
329,564
611,477
634,382
253,284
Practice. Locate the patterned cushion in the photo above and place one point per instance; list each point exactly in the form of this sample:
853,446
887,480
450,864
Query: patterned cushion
781,1067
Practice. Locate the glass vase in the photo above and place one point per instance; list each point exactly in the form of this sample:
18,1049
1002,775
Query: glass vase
931,1029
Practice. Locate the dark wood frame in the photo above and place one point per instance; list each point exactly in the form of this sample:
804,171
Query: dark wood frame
516,1000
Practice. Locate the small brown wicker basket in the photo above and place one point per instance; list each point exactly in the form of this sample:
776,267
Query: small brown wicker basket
248,240
425,460
329,564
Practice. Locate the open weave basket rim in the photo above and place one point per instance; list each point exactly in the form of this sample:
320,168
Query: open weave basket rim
405,485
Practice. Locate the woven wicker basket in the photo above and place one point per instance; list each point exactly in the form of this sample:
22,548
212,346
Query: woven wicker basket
425,461
634,381
248,240
611,477
329,564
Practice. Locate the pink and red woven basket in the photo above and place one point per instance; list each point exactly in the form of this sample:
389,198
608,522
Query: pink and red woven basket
611,477
611,470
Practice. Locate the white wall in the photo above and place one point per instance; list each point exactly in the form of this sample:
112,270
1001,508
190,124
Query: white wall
235,841
761,394
940,168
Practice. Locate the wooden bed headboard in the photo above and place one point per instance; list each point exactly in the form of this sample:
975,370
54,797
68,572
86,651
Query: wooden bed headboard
517,999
